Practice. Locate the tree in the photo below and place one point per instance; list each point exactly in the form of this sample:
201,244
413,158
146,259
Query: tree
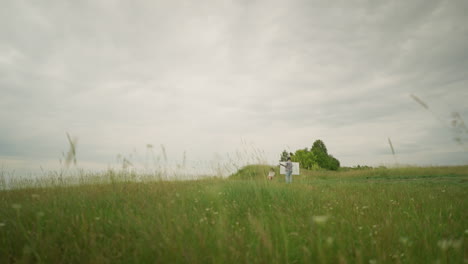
316,157
320,151
305,158
323,159
333,163
284,156
319,146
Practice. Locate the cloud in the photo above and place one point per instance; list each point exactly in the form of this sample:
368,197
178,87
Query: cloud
199,77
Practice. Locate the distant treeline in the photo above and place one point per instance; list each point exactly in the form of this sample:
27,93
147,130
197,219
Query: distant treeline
359,167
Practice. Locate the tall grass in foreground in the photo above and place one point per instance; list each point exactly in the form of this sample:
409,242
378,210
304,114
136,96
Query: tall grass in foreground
320,218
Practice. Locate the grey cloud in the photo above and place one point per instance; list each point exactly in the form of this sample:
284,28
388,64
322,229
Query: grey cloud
184,73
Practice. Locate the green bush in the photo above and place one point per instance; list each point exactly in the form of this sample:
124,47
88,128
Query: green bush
253,172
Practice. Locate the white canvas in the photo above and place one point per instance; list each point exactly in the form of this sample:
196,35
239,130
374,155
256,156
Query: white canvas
295,168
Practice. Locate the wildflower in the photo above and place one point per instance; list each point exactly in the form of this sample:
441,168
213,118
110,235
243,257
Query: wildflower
449,243
360,227
40,214
16,206
2,224
329,240
404,240
466,232
320,219
443,244
372,261
97,218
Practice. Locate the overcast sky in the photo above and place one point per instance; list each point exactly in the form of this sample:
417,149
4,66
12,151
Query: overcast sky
212,78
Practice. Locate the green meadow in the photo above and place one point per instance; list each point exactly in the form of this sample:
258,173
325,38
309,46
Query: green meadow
401,215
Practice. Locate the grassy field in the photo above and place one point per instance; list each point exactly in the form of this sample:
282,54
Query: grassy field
407,215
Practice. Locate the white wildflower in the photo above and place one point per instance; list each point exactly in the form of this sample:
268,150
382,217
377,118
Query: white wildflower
445,244
320,219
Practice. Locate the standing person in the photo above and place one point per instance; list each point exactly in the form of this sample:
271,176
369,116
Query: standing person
289,168
271,174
